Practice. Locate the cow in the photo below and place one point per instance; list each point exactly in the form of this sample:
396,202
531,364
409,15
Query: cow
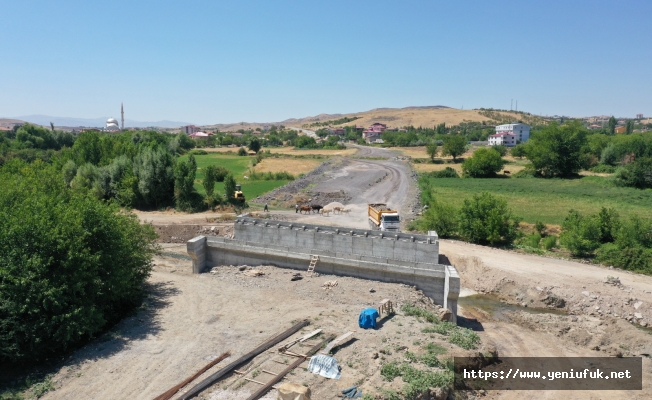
337,210
307,209
506,172
316,208
325,212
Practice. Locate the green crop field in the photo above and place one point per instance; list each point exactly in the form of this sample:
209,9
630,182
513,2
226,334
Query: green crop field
548,200
238,165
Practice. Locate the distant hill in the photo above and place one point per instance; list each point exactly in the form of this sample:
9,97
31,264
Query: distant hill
96,122
9,123
425,116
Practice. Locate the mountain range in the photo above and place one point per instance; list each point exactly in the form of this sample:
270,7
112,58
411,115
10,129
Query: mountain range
95,122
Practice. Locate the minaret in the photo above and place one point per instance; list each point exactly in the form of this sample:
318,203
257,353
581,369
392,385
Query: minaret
122,112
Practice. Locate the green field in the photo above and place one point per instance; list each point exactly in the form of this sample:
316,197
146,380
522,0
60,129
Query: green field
238,165
548,200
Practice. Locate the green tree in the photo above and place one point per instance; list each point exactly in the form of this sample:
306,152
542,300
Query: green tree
501,149
229,188
70,265
484,163
184,183
242,151
611,125
518,150
87,148
556,150
69,171
486,219
431,149
212,174
454,146
629,126
154,169
254,145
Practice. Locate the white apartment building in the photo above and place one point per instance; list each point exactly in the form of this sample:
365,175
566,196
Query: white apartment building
505,138
520,131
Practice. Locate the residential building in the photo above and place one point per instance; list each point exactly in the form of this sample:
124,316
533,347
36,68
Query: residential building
520,131
199,135
190,129
504,138
621,129
639,116
336,131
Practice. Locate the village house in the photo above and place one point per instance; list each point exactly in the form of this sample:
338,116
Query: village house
504,138
372,134
621,129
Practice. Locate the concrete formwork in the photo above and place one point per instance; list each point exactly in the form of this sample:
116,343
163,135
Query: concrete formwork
397,257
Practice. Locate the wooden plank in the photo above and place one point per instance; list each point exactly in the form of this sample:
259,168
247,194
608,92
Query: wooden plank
251,380
336,342
171,392
260,392
194,391
302,339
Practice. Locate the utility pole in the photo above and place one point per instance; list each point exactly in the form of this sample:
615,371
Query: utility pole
511,105
122,113
516,105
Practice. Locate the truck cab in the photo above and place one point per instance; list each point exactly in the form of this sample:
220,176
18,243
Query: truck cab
390,222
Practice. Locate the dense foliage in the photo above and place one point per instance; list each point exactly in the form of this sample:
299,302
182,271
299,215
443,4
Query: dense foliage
556,150
484,163
70,265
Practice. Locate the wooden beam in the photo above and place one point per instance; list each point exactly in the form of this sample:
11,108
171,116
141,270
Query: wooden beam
260,392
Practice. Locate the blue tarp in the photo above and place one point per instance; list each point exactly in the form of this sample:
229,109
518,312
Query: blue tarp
368,318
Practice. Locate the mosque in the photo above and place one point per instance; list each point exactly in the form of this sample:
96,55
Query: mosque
112,123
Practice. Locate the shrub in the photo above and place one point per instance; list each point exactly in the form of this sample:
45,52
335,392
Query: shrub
242,151
637,174
70,265
532,240
447,172
518,150
487,219
440,217
464,338
603,169
549,242
540,227
198,152
637,259
579,234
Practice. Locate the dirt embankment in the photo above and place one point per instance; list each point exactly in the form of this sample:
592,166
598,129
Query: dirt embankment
188,320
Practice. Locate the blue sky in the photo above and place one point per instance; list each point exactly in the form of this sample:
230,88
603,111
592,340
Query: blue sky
221,62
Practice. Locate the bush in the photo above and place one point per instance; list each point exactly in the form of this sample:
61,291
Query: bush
580,235
549,242
198,152
484,163
486,219
637,174
70,265
447,172
532,240
518,150
603,169
540,227
637,259
440,217
242,151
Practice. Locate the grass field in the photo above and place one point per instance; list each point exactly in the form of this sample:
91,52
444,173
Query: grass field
292,165
239,166
549,200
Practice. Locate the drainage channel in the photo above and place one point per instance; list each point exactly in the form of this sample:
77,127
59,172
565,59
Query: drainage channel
498,310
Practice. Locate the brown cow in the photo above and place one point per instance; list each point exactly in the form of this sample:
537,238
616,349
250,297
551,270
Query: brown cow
307,209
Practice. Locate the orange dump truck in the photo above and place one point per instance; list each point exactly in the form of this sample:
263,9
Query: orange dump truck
383,218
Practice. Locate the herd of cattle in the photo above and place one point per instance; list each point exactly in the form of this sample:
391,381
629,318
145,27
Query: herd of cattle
316,208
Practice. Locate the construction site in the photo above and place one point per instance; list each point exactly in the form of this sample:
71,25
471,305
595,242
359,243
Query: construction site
271,305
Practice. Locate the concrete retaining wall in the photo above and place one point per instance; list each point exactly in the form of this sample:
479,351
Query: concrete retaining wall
397,257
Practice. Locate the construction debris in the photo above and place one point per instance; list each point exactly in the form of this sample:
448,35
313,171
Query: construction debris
302,339
329,284
325,366
351,393
339,340
263,347
260,392
167,395
296,276
293,391
254,272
